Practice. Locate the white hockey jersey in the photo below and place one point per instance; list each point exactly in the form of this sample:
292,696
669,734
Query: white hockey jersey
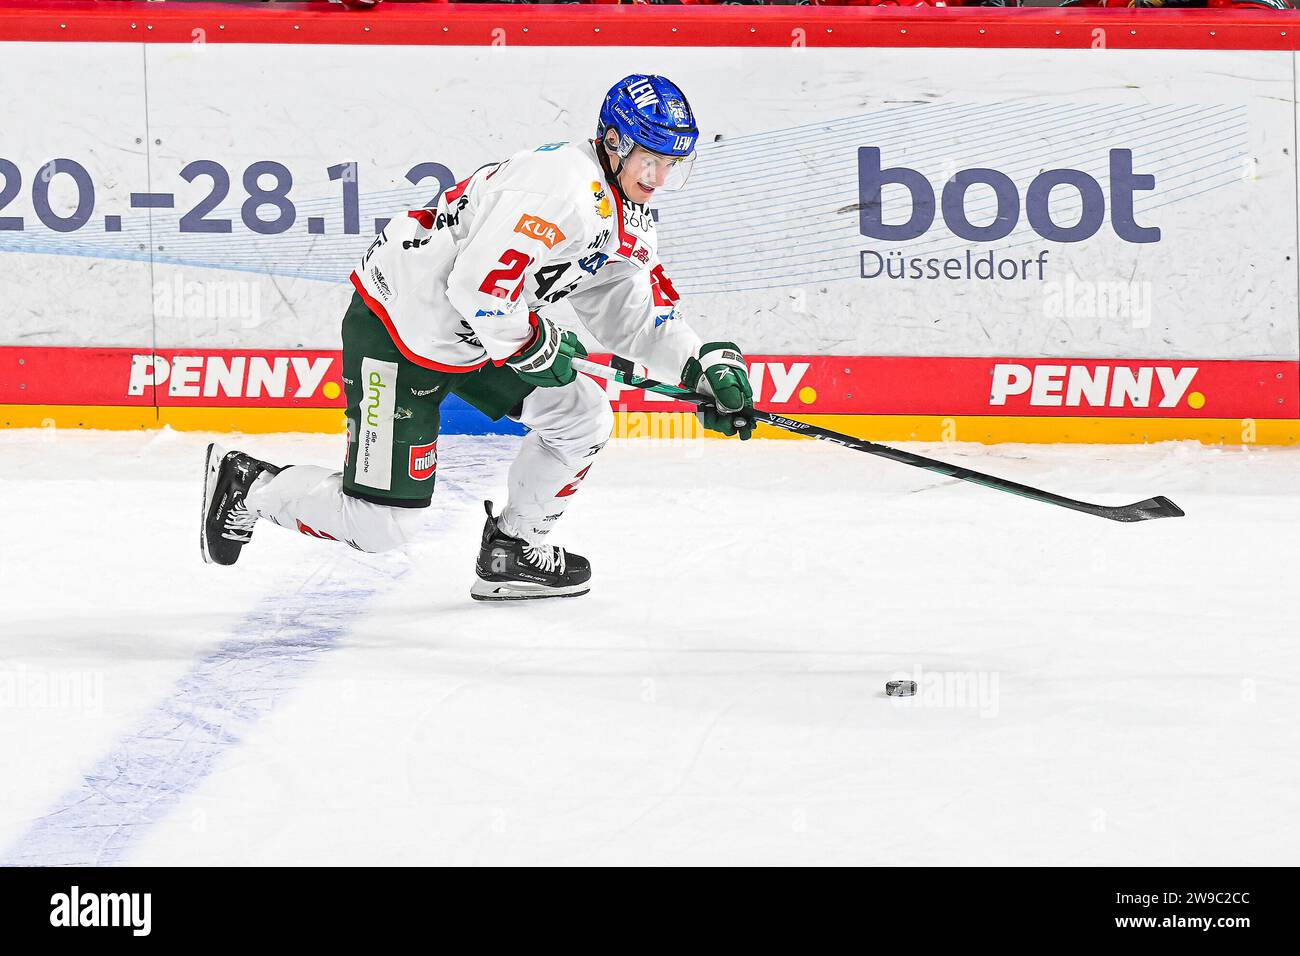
455,284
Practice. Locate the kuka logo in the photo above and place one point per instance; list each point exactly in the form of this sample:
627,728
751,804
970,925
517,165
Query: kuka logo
1096,386
535,227
872,178
423,461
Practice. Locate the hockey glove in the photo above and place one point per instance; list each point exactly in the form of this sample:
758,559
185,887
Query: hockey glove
547,360
720,373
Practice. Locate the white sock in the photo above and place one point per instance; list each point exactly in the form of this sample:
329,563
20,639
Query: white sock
569,426
541,486
310,499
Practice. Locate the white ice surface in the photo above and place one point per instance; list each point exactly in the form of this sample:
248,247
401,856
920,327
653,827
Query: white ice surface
718,697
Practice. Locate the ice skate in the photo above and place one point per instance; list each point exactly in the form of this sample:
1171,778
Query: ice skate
226,523
511,569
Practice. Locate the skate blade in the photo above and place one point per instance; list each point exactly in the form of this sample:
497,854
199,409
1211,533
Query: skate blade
211,467
518,591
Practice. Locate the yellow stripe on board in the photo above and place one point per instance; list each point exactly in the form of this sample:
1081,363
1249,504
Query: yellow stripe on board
78,416
247,420
254,420
1112,431
986,429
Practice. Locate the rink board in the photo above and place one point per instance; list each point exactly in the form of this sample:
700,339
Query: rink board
988,205
942,398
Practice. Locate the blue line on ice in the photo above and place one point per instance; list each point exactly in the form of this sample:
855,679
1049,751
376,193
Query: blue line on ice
213,708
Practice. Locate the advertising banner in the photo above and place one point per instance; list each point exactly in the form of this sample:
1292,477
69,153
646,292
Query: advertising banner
1097,232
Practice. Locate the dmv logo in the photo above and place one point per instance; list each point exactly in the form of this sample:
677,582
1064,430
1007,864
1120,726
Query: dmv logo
1097,386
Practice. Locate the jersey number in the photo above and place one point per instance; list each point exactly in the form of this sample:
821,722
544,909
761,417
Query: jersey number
547,277
499,281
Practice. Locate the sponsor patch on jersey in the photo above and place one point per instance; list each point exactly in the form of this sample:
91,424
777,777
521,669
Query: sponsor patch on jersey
424,461
632,249
591,264
604,208
538,228
375,424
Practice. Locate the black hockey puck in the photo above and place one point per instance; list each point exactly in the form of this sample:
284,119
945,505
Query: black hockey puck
900,688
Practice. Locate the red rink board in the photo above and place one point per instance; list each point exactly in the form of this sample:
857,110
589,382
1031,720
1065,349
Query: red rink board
869,385
641,25
1092,388
214,378
790,384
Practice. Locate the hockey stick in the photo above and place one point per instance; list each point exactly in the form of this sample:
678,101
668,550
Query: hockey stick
1151,508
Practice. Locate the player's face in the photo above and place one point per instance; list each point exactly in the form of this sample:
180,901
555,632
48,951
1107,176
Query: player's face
644,172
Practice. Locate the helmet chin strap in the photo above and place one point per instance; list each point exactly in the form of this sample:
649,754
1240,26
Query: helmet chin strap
602,153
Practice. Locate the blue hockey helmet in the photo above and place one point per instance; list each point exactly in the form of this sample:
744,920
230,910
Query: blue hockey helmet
652,112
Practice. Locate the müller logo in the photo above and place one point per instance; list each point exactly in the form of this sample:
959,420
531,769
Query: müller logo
74,908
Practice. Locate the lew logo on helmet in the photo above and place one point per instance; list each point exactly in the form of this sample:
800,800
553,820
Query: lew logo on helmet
424,461
643,94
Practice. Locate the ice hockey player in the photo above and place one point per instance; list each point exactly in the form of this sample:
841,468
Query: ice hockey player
452,299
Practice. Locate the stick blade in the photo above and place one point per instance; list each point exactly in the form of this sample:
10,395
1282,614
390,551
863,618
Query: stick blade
1152,508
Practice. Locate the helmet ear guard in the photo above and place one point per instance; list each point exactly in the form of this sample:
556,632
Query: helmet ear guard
622,146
